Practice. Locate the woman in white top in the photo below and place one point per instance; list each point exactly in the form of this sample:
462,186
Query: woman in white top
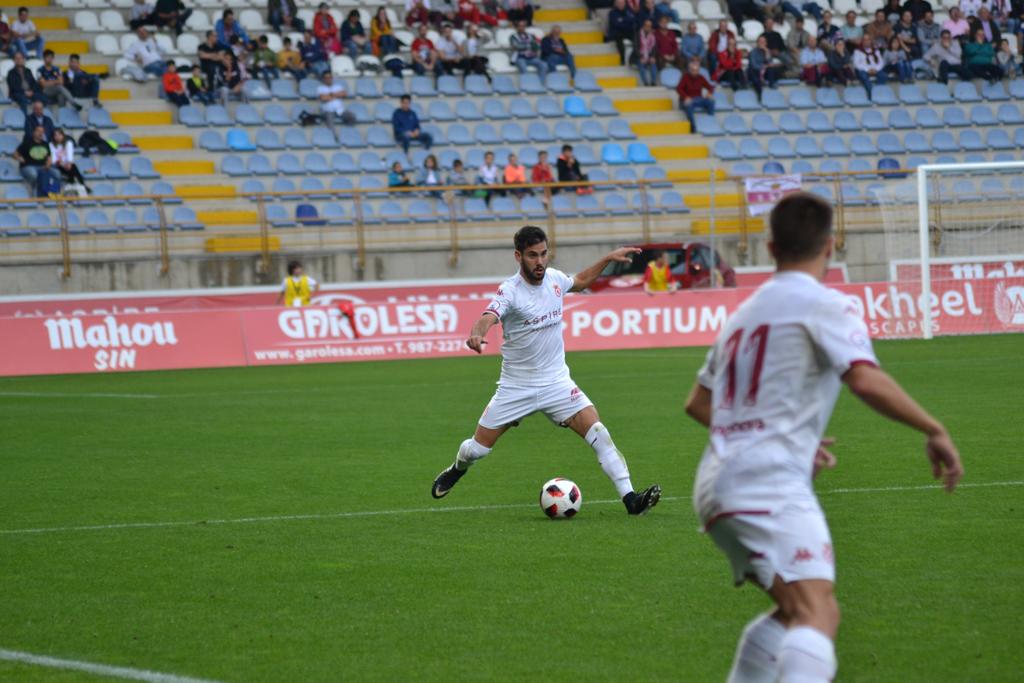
489,174
62,152
472,48
430,174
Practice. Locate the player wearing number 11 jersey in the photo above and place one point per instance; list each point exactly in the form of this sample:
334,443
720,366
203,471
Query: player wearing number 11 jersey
766,393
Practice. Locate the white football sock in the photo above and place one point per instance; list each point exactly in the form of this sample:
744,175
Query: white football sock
807,656
612,462
757,655
469,452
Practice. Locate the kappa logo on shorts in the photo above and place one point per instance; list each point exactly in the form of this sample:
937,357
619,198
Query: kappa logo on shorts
575,394
802,555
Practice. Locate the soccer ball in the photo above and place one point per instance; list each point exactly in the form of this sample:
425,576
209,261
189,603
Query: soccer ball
560,498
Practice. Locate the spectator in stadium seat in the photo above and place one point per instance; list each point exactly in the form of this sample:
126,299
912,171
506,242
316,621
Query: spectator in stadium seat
198,87
382,35
852,32
174,89
457,176
430,175
695,92
828,33
813,63
489,174
917,8
290,61
906,32
555,51
645,11
449,51
956,24
893,9
621,27
264,61
326,30
284,13
232,77
211,58
227,27
840,65
718,42
946,56
666,47
469,14
519,10
170,13
526,51
51,84
776,46
314,56
797,40
332,103
424,54
7,44
980,58
692,45
868,64
760,69
140,14
397,177
730,67
1005,60
662,8
417,12
406,126
744,9
986,23
62,155
879,30
37,118
569,170
33,155
928,32
970,8
647,54
515,174
472,48
80,84
147,60
897,61
26,36
353,36
541,171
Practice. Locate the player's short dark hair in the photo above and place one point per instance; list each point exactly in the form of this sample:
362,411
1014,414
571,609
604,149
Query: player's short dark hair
658,253
47,53
74,57
527,236
293,266
801,223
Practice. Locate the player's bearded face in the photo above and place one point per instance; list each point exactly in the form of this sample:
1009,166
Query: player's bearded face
533,262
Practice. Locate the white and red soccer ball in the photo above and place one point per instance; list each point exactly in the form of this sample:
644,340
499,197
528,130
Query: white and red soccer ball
560,498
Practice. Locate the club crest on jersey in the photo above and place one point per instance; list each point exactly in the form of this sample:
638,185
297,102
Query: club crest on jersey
575,394
557,290
1009,305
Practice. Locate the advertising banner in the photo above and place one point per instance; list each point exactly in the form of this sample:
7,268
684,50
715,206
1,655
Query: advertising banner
959,268
386,330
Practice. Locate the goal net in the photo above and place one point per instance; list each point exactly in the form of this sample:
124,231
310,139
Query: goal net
954,237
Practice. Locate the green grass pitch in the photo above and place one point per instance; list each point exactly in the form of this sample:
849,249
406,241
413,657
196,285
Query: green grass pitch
485,588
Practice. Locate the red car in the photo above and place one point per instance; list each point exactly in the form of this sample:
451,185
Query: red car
690,265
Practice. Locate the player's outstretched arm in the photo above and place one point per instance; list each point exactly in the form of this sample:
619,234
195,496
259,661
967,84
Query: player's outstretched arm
884,395
698,404
586,277
476,339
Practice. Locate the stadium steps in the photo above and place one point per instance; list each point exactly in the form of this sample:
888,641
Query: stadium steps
163,142
199,191
129,119
218,217
241,244
194,167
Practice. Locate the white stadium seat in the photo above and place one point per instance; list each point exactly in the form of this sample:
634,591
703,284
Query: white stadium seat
251,20
107,44
85,20
188,44
710,9
111,20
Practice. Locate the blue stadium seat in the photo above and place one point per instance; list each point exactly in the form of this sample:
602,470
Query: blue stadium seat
639,153
238,140
601,105
593,130
295,138
14,119
255,91
802,167
467,110
334,214
558,82
970,141
382,112
308,88
323,138
531,84
316,163
746,100
584,153
212,141
965,191
533,207
566,131
856,96
475,209
588,205
613,155
477,85
341,184
246,115
391,212
233,166
70,119
981,115
800,98
900,118
859,166
10,225
722,102
216,115
520,108
658,175
397,155
100,118
185,218
889,143
585,82
726,150
283,89
996,138
807,146
889,164
639,199
845,121
852,196
871,120
955,117
994,92
916,142
188,115
751,148
742,169
449,86
619,129
672,202
943,141
278,217
735,124
827,98
306,214
829,166
494,110
964,91
910,94
563,206
251,186
938,93
625,176
393,87
377,136
862,144
375,185
142,168
764,124
504,85
883,96
616,205
422,211
1010,114
268,139
791,123
926,117
422,86
111,169
817,122
275,115
833,145
773,168
780,148
504,208
458,134
576,106
539,132
128,221
485,134
99,222
707,125
992,188
440,110
370,162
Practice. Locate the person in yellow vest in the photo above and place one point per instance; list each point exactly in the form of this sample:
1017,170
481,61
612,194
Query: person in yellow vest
298,288
658,277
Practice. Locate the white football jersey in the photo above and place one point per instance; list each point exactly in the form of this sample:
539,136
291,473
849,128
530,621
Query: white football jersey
774,373
533,352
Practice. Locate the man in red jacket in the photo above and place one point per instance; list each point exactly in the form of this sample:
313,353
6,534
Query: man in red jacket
692,88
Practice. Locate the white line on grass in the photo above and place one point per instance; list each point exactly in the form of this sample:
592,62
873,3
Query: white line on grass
411,511
99,669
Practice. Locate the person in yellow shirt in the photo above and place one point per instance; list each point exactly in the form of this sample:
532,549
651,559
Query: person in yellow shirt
658,276
290,61
298,288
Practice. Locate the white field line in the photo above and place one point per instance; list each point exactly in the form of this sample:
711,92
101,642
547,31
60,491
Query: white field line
99,669
415,511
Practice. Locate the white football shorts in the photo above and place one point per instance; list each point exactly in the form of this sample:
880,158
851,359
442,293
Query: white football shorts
793,543
560,401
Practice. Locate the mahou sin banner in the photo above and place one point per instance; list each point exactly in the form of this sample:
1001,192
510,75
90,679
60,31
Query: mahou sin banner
427,329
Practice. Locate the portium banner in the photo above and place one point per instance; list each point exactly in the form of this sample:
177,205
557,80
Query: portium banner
427,329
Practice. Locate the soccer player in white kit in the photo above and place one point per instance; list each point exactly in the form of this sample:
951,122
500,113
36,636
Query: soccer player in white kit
534,376
766,392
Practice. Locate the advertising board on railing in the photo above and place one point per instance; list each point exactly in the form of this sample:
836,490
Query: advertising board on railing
426,329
